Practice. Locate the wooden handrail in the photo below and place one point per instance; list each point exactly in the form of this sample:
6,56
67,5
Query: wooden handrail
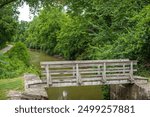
102,70
86,62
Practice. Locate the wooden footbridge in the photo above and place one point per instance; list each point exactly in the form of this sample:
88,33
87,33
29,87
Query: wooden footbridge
88,72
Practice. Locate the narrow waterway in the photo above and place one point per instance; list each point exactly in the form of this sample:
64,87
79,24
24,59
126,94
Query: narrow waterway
70,93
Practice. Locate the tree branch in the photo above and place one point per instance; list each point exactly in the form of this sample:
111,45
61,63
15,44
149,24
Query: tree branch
6,2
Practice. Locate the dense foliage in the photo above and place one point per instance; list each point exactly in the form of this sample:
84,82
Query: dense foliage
76,29
93,29
19,51
7,24
45,28
15,62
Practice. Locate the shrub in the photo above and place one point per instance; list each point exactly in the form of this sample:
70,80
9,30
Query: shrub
14,62
20,52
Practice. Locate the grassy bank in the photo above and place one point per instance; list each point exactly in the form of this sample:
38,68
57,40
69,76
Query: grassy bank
10,84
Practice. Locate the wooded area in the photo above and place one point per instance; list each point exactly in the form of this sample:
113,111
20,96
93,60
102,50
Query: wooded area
83,30
74,30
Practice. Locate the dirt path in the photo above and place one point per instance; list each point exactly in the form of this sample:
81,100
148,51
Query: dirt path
4,50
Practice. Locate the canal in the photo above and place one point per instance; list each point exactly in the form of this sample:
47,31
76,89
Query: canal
70,93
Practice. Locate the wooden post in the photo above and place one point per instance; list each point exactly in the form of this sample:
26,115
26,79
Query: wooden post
131,71
98,70
74,73
48,76
104,73
123,68
78,77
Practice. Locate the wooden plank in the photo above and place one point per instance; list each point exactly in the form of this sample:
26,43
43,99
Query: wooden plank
117,68
59,73
53,72
90,83
126,74
119,64
61,66
66,64
100,79
89,69
90,65
107,77
124,68
119,71
48,76
78,78
90,75
104,72
74,73
131,72
84,61
64,81
63,77
89,72
99,69
91,79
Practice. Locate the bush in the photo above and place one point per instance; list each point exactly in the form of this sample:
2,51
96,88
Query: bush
19,51
15,62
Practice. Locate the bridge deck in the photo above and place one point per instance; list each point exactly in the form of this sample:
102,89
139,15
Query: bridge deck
68,83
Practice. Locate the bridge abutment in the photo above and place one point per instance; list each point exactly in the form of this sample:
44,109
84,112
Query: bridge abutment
130,92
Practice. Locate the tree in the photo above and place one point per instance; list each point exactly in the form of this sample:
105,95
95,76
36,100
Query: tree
20,31
42,31
7,24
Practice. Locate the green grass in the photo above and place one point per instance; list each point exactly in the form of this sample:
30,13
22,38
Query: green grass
10,84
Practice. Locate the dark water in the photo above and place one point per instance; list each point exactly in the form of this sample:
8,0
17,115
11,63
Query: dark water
38,56
71,93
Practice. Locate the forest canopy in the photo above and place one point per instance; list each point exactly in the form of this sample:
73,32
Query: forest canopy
93,29
84,29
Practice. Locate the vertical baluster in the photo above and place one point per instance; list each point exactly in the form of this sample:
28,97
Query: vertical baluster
104,72
78,78
131,71
99,70
123,69
48,76
74,73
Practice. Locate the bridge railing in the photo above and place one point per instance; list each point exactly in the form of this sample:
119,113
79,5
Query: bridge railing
84,72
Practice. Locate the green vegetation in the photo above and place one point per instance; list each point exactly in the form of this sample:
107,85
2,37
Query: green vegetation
15,62
10,84
19,51
106,92
93,29
7,25
81,29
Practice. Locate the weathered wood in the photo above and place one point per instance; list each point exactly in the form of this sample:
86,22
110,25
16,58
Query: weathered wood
131,71
104,72
74,73
79,72
64,77
95,81
124,69
78,77
48,75
85,61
